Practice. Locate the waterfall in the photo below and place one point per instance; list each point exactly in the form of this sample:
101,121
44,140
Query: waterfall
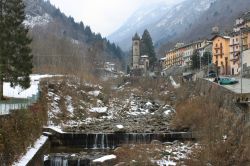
58,161
112,140
103,141
86,140
96,142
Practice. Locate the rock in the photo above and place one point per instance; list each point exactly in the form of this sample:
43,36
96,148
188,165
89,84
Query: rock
118,150
121,164
156,142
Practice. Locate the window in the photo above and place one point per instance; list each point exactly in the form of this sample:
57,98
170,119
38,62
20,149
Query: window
216,45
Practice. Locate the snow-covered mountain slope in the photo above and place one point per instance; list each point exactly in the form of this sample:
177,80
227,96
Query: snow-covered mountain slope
162,20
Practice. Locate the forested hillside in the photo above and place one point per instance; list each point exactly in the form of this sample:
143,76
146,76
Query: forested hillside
60,43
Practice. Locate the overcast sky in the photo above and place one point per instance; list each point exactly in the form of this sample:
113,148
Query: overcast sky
104,16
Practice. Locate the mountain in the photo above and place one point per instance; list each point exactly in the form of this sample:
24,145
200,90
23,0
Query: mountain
60,42
185,21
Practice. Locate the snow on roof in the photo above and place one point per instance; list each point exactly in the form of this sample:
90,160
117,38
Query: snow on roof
105,158
144,56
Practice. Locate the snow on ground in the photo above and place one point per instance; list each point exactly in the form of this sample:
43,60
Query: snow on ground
94,93
32,21
168,112
31,151
55,128
165,163
18,92
105,158
70,107
99,109
177,152
120,126
175,85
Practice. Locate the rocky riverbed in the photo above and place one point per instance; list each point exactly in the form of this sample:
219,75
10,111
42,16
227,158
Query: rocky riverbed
79,106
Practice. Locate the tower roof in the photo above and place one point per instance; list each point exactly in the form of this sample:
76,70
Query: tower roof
136,37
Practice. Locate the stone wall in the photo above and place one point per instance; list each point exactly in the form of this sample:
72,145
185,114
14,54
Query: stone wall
215,93
219,95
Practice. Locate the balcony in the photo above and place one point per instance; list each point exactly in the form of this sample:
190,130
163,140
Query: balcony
234,44
219,54
235,59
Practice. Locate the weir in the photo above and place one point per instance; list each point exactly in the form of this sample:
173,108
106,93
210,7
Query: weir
113,140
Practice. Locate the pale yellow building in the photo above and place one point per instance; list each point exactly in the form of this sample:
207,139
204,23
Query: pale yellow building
221,54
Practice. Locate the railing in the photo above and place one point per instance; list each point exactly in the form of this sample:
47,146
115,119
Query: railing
16,104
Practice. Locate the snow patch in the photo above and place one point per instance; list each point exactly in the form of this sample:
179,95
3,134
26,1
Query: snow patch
70,107
105,158
55,128
32,21
18,92
175,85
95,93
99,109
120,126
167,112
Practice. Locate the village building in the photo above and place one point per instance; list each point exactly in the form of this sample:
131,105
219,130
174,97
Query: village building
240,37
221,54
181,54
140,63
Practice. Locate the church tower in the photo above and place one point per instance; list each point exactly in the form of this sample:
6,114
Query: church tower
136,51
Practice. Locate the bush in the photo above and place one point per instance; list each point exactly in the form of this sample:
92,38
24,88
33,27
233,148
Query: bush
224,135
19,130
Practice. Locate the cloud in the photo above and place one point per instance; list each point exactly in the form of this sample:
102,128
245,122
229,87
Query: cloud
103,16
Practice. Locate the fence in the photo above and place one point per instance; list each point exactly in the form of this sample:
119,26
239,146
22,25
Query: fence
16,104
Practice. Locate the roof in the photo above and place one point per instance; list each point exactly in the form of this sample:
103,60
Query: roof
136,37
190,44
144,56
224,37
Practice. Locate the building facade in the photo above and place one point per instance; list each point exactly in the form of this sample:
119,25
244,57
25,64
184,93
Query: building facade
240,37
181,54
221,54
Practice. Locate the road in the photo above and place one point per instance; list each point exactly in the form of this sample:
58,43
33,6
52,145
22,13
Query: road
237,87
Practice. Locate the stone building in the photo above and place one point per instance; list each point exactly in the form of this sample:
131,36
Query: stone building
140,63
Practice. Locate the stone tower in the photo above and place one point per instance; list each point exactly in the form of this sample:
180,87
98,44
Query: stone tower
136,51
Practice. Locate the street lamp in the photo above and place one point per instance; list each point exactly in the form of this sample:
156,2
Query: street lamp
241,59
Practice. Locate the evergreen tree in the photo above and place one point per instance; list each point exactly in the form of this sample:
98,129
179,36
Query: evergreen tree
206,59
147,48
195,60
15,53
